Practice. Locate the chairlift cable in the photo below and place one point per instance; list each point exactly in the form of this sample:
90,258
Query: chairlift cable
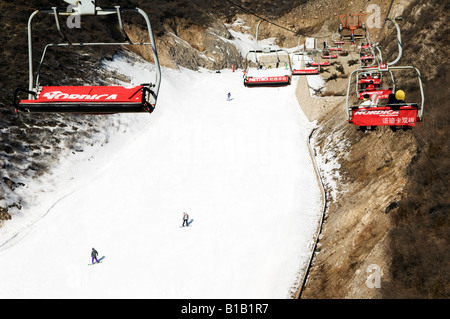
385,19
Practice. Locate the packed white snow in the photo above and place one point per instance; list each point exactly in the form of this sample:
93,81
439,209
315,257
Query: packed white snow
240,169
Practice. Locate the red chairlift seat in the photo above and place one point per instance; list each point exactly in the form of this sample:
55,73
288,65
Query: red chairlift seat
369,67
88,99
335,49
375,82
254,81
381,93
311,71
391,115
366,57
320,63
329,56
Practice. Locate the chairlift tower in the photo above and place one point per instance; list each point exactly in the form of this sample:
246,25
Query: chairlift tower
352,22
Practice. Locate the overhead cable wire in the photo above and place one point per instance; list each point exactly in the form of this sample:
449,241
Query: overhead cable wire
385,19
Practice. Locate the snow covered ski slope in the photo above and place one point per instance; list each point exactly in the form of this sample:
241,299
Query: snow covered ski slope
240,168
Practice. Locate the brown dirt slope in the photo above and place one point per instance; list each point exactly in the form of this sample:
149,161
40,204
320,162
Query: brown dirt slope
392,213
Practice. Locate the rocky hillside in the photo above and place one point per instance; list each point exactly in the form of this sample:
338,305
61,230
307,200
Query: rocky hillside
388,205
391,210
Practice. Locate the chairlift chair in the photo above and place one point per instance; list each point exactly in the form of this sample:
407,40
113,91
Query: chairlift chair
367,56
385,114
298,69
364,79
316,62
271,76
88,99
352,22
319,63
381,87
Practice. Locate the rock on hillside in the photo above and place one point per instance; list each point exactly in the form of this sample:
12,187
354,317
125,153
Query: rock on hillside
192,46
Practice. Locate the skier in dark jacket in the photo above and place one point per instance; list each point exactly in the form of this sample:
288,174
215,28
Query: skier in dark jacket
94,254
185,219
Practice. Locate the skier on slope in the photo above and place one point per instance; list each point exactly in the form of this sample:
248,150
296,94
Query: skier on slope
229,96
94,254
185,219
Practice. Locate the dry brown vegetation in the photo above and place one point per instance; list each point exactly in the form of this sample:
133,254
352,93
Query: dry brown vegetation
420,238
395,210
